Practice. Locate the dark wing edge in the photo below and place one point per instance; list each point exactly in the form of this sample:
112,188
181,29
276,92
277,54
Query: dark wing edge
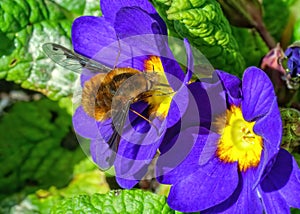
71,60
118,121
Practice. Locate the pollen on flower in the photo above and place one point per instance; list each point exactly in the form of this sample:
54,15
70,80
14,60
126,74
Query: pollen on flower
160,99
238,142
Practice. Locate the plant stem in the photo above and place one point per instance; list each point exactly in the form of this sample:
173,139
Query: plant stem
265,35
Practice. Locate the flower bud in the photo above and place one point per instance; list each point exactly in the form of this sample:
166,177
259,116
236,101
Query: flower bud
293,62
247,14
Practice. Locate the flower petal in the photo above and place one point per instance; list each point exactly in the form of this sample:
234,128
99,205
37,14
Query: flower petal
190,62
232,85
269,128
258,94
216,98
127,184
280,189
101,154
136,151
84,125
178,106
135,21
96,39
211,103
187,133
274,203
243,198
172,69
145,37
90,34
111,8
293,55
207,187
180,154
198,108
195,105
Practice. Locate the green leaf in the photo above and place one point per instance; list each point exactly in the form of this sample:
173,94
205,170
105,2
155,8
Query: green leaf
24,27
206,28
297,157
38,149
81,7
251,45
120,201
163,189
276,15
295,211
87,179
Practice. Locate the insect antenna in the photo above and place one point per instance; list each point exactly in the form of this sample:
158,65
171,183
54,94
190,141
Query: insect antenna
119,53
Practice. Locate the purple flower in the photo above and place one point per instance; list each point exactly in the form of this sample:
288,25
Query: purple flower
236,166
293,63
130,34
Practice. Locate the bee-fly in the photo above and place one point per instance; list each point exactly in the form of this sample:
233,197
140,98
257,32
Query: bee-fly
110,92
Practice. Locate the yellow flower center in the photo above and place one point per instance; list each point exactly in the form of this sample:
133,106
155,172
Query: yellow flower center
238,142
161,98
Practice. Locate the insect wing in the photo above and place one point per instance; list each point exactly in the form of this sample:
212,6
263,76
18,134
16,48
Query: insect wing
72,61
118,121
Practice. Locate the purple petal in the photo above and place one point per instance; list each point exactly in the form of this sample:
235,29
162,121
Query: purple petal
191,106
198,114
244,199
134,21
172,69
136,151
216,97
101,154
180,148
91,34
137,38
145,38
141,107
280,189
181,157
85,125
210,148
293,63
232,86
111,8
198,108
190,62
127,184
207,187
274,203
178,106
210,103
269,128
258,93
96,38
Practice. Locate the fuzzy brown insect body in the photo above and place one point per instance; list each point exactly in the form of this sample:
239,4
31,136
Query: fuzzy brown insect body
110,96
114,91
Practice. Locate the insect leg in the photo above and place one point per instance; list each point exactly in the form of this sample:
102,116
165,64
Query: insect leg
149,121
